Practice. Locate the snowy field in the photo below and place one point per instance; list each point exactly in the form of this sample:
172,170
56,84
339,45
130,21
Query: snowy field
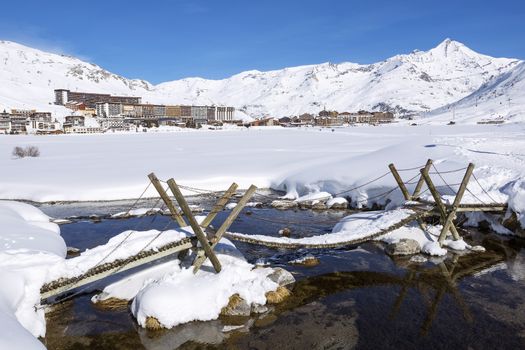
298,161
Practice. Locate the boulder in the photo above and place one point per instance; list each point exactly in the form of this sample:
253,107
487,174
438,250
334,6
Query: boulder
405,246
277,296
237,306
512,223
281,277
286,232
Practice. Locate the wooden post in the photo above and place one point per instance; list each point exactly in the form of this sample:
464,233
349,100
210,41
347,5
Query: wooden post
194,224
173,210
219,205
455,205
226,224
399,181
421,180
439,204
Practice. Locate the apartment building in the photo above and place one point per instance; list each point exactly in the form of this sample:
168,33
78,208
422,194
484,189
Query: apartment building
63,96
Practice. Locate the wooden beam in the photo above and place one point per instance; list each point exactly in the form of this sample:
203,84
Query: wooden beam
399,181
118,268
173,210
439,204
226,224
455,205
194,224
421,180
219,205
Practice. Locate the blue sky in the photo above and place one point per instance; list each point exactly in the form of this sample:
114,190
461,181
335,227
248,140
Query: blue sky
161,40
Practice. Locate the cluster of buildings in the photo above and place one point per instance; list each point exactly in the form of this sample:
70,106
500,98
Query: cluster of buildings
21,121
120,112
95,113
329,119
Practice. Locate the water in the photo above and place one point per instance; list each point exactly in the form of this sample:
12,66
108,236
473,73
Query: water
356,297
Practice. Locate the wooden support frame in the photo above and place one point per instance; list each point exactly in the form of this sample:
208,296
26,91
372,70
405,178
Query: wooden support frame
417,189
448,216
200,259
194,224
219,205
401,184
175,214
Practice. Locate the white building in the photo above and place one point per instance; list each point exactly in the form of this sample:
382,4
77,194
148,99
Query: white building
108,110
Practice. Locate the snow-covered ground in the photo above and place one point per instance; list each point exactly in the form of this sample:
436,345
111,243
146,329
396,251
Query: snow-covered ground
298,161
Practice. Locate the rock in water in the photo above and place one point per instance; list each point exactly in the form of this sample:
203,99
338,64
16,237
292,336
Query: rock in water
405,246
284,204
277,296
237,306
281,277
286,232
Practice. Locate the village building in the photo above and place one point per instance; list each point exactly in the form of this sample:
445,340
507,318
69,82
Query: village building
224,113
173,111
382,117
63,96
18,124
108,110
75,106
5,123
118,123
75,120
85,130
269,121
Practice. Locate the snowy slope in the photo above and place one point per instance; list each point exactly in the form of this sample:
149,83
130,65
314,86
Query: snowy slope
502,98
419,81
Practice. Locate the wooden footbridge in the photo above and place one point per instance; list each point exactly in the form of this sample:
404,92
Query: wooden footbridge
205,239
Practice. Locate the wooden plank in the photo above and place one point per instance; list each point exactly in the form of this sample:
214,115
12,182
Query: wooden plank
219,205
399,181
167,200
194,224
226,224
130,265
484,209
421,180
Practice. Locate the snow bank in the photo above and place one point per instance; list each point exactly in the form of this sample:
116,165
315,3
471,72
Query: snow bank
30,244
516,193
352,227
181,296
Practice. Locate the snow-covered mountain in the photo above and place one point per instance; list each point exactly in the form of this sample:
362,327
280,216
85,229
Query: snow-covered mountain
502,98
415,82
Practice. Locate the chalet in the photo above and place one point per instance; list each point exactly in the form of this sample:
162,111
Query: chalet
306,119
328,118
265,122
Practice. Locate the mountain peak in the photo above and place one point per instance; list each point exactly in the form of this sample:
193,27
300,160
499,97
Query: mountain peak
449,46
